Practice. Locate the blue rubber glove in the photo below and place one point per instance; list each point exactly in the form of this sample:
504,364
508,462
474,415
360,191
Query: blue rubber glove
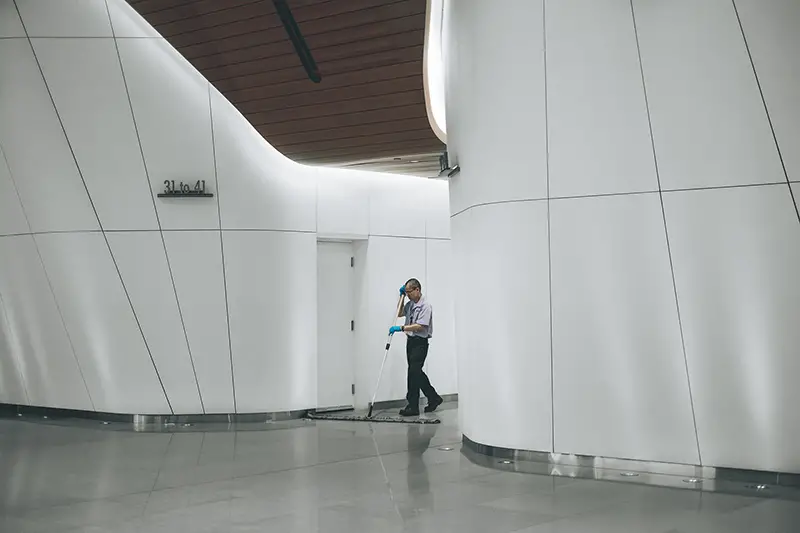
394,329
403,290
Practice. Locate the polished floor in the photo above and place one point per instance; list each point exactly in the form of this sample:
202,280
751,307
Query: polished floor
333,477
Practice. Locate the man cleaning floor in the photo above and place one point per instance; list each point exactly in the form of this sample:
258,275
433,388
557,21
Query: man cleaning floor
418,328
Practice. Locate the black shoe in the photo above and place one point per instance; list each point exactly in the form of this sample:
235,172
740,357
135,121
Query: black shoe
433,404
409,411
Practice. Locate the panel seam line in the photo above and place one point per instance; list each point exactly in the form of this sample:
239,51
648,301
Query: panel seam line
222,247
766,108
155,208
35,242
16,358
666,235
94,209
549,239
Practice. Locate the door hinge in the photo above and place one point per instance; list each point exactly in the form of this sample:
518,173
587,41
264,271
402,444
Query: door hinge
352,325
353,388
352,262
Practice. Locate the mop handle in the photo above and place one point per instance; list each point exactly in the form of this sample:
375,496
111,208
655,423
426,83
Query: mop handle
386,355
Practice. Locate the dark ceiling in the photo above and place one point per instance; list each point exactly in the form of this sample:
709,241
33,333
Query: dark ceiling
369,108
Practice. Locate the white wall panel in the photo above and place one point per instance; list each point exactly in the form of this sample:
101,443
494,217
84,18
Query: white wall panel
508,353
10,25
709,124
12,386
437,221
599,138
12,216
57,18
771,31
618,358
272,298
98,317
501,105
343,202
196,261
390,261
258,187
42,346
90,97
36,149
438,289
461,228
144,269
398,206
736,255
365,384
126,22
171,107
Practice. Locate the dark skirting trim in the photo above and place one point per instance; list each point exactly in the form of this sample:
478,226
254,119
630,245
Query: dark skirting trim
149,422
28,411
781,485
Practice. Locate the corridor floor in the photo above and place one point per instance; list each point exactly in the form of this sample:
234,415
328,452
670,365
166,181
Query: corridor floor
332,477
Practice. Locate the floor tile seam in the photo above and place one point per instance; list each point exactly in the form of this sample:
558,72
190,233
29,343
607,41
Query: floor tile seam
102,435
246,476
331,505
576,515
156,473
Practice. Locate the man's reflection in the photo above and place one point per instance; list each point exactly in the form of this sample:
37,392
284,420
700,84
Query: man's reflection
419,487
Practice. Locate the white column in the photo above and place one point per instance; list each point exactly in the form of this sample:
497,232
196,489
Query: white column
496,133
625,239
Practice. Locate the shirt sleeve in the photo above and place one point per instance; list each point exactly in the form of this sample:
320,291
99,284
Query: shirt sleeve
424,315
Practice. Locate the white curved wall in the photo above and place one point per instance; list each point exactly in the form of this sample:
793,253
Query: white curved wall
433,65
112,299
624,210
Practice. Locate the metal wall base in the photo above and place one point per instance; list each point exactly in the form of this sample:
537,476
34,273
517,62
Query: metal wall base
158,423
692,477
140,422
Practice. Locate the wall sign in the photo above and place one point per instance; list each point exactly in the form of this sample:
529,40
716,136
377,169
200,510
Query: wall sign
173,189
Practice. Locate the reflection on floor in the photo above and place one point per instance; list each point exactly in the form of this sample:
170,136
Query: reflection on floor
332,477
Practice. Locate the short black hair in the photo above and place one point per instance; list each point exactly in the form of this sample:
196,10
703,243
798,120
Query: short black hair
414,283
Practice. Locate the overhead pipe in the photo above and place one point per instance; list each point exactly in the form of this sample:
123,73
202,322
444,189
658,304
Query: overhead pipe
299,43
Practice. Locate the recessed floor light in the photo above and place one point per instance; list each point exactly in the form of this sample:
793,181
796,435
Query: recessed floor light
758,487
506,462
446,449
692,480
629,474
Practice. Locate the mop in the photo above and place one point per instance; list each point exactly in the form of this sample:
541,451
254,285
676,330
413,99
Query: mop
369,418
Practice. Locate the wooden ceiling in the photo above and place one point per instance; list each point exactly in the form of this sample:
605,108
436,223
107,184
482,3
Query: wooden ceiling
368,110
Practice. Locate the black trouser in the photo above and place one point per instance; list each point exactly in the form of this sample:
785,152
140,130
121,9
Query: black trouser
416,353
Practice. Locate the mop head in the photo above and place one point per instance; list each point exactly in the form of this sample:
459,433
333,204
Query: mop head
349,417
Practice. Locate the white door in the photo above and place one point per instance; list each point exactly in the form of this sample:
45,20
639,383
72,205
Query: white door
335,312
